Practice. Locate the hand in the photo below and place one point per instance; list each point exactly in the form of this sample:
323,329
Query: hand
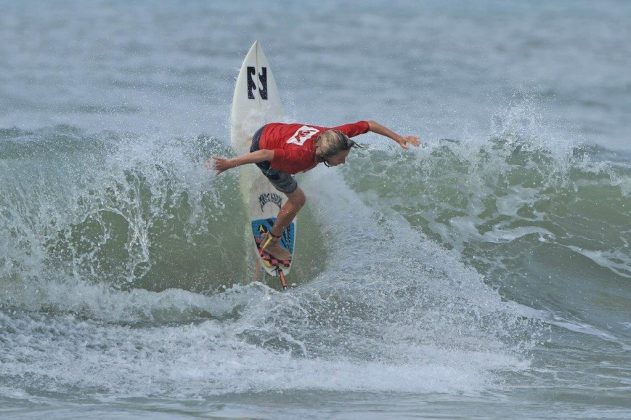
219,164
404,141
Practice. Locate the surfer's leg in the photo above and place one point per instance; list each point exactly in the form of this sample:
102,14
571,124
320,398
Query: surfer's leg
286,184
295,201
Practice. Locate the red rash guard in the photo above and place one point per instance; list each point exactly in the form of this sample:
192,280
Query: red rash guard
293,144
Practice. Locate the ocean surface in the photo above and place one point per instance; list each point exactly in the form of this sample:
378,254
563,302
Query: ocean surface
486,274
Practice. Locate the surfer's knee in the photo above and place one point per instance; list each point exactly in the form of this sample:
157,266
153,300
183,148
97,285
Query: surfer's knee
297,198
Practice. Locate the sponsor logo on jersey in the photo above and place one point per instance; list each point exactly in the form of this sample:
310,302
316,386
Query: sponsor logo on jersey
303,134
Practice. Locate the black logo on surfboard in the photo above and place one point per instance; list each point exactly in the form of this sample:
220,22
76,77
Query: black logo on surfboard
262,81
270,198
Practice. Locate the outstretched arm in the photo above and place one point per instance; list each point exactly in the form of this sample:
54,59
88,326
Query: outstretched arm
221,164
403,141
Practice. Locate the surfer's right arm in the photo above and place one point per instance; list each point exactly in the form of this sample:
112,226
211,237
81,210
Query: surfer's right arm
403,141
221,164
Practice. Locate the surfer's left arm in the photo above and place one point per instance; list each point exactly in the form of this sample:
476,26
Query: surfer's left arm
221,164
403,141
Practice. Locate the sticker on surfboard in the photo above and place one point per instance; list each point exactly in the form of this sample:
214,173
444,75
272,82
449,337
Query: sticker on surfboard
259,229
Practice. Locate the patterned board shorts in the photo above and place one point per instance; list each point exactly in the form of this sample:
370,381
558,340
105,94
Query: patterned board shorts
282,181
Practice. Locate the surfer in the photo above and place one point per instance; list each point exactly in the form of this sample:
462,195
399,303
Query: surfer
282,150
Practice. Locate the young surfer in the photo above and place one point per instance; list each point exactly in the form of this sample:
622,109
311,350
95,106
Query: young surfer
281,150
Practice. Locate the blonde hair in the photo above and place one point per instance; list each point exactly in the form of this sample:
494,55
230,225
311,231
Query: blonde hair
331,142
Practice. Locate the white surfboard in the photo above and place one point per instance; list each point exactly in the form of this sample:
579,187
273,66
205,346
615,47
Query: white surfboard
255,103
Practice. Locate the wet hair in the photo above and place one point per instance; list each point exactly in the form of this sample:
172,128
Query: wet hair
331,142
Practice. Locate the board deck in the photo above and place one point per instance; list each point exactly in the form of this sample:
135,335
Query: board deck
256,102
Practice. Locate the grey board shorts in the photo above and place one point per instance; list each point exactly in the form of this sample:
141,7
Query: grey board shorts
282,181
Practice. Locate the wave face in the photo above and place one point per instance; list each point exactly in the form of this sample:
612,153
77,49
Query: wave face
545,221
460,268
126,251
442,270
113,210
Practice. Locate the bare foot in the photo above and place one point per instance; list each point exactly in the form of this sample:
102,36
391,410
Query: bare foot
275,249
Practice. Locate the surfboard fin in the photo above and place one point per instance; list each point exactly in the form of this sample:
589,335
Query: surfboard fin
282,278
